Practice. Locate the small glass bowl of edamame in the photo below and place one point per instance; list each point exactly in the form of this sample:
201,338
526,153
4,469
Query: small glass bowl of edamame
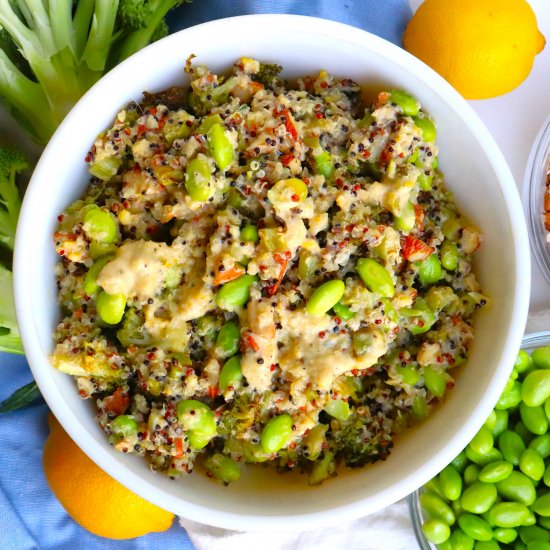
496,493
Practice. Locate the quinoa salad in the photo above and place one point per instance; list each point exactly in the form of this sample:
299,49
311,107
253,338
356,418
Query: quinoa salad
262,272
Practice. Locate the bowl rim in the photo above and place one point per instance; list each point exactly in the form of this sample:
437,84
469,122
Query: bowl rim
103,457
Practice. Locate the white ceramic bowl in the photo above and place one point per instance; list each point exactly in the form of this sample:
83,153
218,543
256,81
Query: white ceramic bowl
484,189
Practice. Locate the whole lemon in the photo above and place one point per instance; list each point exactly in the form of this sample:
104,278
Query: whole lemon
484,48
91,497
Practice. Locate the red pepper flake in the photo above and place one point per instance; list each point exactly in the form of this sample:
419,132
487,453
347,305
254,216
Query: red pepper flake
189,371
251,342
283,263
322,334
450,384
343,244
88,157
60,218
151,355
378,321
324,85
289,123
286,159
295,197
366,154
319,115
141,130
272,367
61,252
127,131
306,181
339,182
420,323
212,392
439,359
355,372
395,330
337,320
292,446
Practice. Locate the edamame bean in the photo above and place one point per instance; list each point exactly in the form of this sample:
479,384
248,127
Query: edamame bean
231,374
544,522
90,285
197,179
491,421
435,381
198,420
406,220
342,311
419,318
376,277
450,482
324,165
547,409
475,527
508,514
523,361
227,343
541,357
483,441
459,540
276,433
433,487
409,105
511,446
249,234
486,545
436,507
478,497
123,426
546,476
427,128
495,472
220,146
533,532
235,294
536,545
534,419
429,270
541,506
518,488
325,297
535,388
436,531
460,461
501,422
222,467
506,535
483,459
511,398
523,432
532,464
322,469
471,473
338,408
100,226
425,181
110,307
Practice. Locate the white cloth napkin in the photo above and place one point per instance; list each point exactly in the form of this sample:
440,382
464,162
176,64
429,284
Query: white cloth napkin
390,529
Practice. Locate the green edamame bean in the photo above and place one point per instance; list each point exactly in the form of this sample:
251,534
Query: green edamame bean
495,472
501,424
435,381
457,507
508,514
478,497
90,279
544,522
376,277
450,482
436,531
223,467
433,487
197,179
342,311
523,361
406,220
533,532
409,105
531,519
460,461
523,432
436,507
419,318
425,181
231,374
546,476
100,226
123,426
518,488
445,545
547,409
220,146
249,234
471,473
409,374
537,545
325,297
208,122
532,464
541,357
541,506
276,433
338,408
427,128
429,270
519,545
483,459
512,398
228,339
511,446
475,527
506,535
459,540
483,441
324,165
491,420
535,388
198,420
487,545
110,307
235,294
322,469
534,419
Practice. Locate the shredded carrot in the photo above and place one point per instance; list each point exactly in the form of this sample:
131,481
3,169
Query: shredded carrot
228,275
289,123
251,342
283,262
179,447
286,159
212,392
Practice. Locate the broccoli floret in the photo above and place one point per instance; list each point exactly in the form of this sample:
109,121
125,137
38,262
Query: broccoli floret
268,75
237,419
12,162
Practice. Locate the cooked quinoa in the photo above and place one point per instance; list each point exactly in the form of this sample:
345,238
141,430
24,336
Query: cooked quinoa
261,272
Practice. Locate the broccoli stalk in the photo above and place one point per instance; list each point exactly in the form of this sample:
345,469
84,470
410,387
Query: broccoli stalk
11,163
52,52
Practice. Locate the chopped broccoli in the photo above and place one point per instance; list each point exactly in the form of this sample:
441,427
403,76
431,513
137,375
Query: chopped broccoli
203,99
52,52
268,75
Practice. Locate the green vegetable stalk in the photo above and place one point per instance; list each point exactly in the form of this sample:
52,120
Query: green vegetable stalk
52,51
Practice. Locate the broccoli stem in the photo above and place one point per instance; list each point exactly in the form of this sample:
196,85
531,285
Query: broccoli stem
138,39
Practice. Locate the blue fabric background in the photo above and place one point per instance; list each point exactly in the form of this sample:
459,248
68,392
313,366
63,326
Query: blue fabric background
30,516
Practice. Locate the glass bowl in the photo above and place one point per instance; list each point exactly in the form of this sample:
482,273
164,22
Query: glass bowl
537,179
529,343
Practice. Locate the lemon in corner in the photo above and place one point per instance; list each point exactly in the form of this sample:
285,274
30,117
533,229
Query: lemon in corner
91,497
484,48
